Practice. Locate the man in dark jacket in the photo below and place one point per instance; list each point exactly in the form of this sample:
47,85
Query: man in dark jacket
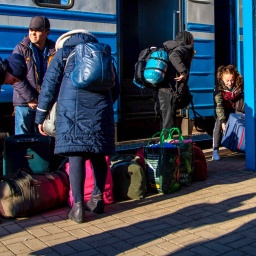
37,50
174,93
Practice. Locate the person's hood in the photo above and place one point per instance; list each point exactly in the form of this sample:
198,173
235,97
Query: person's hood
170,44
74,37
184,37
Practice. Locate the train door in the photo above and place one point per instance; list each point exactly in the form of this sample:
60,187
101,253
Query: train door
143,23
229,33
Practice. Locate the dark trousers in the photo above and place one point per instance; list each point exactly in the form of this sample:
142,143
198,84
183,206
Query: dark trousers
77,174
167,109
217,131
217,134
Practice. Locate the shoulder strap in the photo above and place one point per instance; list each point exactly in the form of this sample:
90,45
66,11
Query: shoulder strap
66,56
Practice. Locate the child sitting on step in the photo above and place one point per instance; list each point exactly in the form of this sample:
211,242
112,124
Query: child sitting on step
228,91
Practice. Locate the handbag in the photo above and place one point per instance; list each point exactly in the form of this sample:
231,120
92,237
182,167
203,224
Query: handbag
49,124
186,156
162,162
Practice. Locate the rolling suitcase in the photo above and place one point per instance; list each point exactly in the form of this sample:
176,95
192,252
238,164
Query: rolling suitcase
30,151
234,135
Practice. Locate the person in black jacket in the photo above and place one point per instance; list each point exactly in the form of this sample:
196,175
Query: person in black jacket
174,92
84,124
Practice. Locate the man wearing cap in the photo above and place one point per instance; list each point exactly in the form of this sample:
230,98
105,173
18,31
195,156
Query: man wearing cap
38,51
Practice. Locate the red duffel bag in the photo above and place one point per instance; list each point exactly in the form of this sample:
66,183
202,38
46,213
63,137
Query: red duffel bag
89,184
24,194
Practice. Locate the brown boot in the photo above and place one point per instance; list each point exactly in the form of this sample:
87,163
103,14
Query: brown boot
77,213
95,204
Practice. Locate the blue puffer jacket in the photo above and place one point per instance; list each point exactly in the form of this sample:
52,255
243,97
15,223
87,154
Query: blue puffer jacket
85,119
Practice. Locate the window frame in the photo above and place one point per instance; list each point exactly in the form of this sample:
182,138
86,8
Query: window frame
59,6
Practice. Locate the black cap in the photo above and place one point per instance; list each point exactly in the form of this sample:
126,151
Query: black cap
39,23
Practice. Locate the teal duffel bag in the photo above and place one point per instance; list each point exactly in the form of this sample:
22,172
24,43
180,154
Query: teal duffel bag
156,67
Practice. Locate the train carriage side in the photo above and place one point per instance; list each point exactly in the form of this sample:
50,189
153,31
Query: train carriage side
128,27
98,17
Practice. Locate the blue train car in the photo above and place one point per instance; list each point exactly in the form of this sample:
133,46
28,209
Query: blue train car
128,27
96,16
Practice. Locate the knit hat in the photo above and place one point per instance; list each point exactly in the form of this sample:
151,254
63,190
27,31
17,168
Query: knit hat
16,65
184,37
39,23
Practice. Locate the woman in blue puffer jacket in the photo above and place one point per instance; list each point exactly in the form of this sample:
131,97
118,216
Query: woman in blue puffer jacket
84,125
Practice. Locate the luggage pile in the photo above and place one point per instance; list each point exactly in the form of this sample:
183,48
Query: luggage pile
32,183
159,167
29,184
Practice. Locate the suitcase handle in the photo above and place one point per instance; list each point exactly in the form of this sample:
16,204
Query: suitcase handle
27,140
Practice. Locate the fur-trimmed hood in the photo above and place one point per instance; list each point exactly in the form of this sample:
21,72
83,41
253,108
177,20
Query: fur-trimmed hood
72,37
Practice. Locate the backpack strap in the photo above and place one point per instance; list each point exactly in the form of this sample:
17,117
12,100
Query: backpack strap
66,55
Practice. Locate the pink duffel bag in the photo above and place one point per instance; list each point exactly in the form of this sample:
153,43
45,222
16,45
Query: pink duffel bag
89,184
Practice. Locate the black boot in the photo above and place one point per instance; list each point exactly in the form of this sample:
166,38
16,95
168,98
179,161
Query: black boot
95,204
77,213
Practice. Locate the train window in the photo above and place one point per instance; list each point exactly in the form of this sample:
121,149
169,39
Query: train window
66,4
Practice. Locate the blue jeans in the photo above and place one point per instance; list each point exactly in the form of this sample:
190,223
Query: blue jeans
25,120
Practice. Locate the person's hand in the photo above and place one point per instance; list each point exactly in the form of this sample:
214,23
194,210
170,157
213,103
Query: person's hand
223,126
41,130
33,104
180,78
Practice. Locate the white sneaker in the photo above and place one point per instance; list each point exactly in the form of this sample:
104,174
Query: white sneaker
215,155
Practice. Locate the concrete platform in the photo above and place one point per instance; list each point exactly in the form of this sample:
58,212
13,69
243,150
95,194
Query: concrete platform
213,217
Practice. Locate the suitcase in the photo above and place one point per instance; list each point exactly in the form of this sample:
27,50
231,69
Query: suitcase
33,152
25,194
89,184
234,135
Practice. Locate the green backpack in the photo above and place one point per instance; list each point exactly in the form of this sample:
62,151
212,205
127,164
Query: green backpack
129,179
